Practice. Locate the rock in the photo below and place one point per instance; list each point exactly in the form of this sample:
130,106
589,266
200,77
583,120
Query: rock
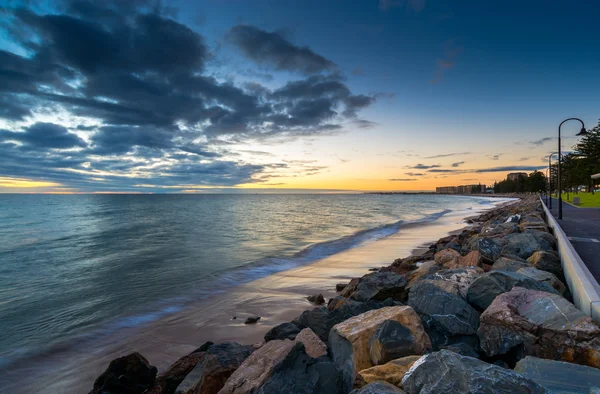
526,322
487,287
379,286
473,259
427,268
392,340
339,301
219,362
509,264
543,276
349,340
525,244
442,310
300,373
257,368
283,367
461,348
312,344
317,319
502,229
490,248
350,287
547,261
340,286
131,374
172,377
316,299
560,377
391,372
450,373
282,331
463,277
252,320
378,388
447,258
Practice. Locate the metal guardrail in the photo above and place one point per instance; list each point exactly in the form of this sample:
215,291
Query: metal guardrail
581,282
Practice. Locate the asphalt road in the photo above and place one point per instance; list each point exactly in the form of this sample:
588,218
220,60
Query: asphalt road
582,226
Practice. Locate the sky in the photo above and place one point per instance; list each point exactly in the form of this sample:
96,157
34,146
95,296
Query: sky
136,96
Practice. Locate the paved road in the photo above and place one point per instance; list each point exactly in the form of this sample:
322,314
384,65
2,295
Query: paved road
582,226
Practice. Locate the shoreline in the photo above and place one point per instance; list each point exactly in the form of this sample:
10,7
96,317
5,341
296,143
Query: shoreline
276,298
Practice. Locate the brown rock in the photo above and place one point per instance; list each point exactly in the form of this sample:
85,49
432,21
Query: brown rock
313,346
426,268
172,377
316,299
392,372
540,324
447,258
350,288
338,302
349,340
473,259
257,368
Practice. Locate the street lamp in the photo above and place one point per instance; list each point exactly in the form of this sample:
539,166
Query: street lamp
581,132
550,179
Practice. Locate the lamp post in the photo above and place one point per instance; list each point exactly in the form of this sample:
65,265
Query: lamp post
581,132
550,179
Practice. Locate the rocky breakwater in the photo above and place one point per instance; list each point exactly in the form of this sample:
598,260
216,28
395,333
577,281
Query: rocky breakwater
483,311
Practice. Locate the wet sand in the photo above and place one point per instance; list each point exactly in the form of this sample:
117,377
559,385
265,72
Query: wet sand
277,298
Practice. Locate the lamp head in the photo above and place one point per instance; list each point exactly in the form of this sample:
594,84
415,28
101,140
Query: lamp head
582,132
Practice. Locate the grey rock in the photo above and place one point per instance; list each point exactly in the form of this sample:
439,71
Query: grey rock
462,348
443,310
450,373
300,373
131,374
547,261
486,288
282,331
391,340
508,264
379,286
490,248
219,362
463,277
543,276
525,244
252,320
316,299
378,388
560,377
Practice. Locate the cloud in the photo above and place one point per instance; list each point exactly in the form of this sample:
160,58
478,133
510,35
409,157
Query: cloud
273,49
444,171
458,163
414,173
495,157
510,168
447,62
541,141
423,166
448,155
524,158
402,179
145,110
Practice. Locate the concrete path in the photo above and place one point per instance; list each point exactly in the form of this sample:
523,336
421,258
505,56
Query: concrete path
582,226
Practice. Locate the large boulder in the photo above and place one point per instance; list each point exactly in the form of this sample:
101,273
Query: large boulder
172,377
526,322
210,374
525,244
544,276
379,286
349,340
450,373
490,248
312,344
547,261
282,331
378,388
560,377
443,309
463,277
339,301
424,269
257,368
472,259
447,258
298,372
131,374
506,263
392,340
487,287
391,372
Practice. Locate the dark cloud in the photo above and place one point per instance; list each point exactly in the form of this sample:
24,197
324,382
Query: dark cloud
458,163
447,155
439,170
401,179
414,173
155,115
510,168
541,141
423,166
44,135
273,49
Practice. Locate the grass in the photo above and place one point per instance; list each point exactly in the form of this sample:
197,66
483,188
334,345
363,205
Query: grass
587,200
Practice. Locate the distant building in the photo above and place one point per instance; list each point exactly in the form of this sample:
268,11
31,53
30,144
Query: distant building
514,176
462,189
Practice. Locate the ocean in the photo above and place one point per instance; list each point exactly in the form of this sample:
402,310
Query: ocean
80,268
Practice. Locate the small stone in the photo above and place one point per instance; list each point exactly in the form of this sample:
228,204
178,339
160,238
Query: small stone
252,320
316,299
340,286
391,372
282,331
